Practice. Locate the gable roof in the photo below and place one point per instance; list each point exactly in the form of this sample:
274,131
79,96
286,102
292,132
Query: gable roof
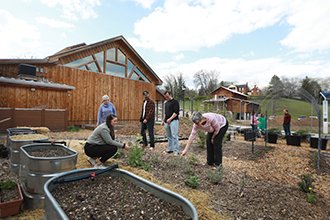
82,47
53,59
233,91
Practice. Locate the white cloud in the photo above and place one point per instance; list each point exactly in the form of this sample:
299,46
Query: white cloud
17,37
258,71
53,23
179,57
75,9
310,21
145,3
186,25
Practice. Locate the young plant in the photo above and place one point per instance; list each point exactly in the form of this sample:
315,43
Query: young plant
135,155
7,184
192,181
73,128
311,197
215,176
306,183
192,159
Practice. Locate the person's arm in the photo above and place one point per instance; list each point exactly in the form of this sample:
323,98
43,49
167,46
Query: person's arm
176,109
171,118
114,109
99,115
192,136
105,134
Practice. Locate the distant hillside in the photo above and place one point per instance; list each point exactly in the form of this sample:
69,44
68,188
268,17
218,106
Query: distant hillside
296,107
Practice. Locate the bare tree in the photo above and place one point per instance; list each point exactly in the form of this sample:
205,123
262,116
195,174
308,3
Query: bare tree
206,82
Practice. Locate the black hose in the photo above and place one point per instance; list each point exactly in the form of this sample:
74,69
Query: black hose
85,176
50,142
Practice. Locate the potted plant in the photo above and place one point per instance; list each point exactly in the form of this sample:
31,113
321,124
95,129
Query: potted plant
11,198
293,140
314,141
304,134
272,135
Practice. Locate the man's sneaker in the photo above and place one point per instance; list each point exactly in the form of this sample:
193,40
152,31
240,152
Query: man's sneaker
168,152
92,161
100,166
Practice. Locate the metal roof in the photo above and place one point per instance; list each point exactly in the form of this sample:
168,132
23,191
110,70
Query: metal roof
33,83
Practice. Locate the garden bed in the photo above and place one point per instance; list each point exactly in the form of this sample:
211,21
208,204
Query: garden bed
112,197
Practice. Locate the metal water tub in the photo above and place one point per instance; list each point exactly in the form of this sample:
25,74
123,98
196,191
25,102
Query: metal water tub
35,171
15,149
54,211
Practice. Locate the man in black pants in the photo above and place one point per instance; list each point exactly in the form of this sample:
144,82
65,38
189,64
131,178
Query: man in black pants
147,120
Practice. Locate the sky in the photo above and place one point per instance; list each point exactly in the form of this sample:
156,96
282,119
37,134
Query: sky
243,41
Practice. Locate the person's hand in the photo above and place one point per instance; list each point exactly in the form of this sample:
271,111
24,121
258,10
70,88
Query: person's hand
184,152
145,121
163,123
168,121
125,146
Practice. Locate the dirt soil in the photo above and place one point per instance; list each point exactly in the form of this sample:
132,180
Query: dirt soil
259,185
97,199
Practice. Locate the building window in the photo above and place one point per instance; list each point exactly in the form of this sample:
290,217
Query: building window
113,62
100,59
80,62
115,70
121,57
111,54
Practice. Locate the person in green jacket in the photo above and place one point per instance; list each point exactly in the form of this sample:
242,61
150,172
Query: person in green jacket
262,123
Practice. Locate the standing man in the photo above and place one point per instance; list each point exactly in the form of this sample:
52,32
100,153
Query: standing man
286,122
171,122
147,120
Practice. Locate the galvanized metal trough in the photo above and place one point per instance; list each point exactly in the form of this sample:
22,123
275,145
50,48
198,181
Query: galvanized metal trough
54,211
35,171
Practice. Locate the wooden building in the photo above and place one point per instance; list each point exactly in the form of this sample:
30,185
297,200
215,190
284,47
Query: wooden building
225,99
87,72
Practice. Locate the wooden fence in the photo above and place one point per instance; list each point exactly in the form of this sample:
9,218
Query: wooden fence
54,119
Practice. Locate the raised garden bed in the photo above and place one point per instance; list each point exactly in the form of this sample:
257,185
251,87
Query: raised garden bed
11,198
115,194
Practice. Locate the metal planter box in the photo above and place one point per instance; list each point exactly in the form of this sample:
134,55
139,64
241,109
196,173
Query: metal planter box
54,211
35,171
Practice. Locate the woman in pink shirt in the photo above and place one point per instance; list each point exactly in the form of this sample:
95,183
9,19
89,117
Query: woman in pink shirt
216,126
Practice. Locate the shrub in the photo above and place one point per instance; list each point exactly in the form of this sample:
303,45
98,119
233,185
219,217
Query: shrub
311,197
135,155
215,176
192,181
306,183
7,184
73,128
192,159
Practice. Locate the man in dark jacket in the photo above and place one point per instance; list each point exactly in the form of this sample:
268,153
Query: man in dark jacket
286,122
147,120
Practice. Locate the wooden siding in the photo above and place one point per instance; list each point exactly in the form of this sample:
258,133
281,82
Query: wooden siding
84,102
24,97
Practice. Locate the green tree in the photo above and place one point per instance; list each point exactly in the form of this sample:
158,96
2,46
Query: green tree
311,86
275,88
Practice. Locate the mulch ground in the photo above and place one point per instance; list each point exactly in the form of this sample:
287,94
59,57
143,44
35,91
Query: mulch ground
259,185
